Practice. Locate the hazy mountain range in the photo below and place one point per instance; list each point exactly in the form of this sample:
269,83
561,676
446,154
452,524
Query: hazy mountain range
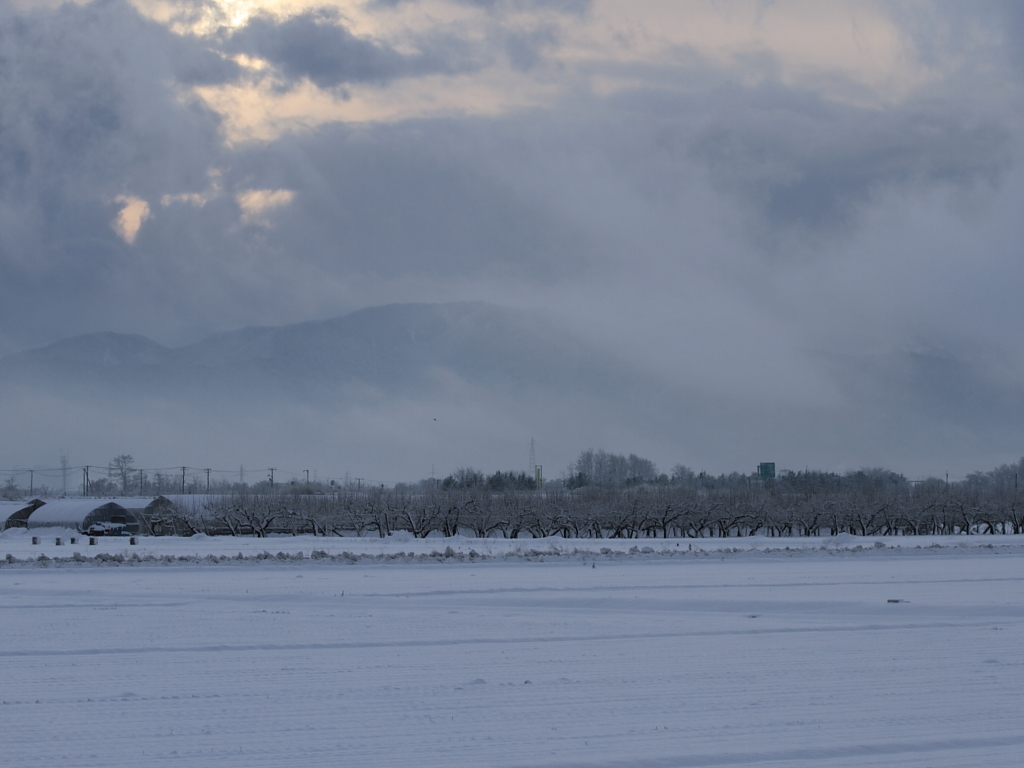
398,348
399,391
458,380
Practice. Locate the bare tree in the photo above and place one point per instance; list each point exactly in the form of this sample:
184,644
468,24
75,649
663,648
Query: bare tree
122,468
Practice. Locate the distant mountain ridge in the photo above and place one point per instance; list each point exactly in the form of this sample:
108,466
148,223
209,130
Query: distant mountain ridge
403,388
384,326
103,348
393,346
390,391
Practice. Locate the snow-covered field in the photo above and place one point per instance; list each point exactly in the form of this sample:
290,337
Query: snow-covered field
17,543
552,654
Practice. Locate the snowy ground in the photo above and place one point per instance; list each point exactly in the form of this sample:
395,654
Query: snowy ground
17,543
526,658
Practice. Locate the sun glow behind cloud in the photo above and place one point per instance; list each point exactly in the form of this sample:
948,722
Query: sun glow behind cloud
220,15
129,220
838,48
849,52
202,19
256,204
262,113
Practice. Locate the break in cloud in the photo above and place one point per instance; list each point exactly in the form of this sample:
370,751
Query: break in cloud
782,207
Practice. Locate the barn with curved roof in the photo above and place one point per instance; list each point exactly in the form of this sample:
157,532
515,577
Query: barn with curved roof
81,514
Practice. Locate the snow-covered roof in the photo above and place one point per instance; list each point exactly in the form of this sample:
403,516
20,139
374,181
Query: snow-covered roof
69,512
17,510
197,502
9,507
136,503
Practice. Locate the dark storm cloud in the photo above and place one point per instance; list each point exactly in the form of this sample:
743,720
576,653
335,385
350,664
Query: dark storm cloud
194,64
803,162
474,198
526,49
88,112
67,97
317,45
408,199
1012,17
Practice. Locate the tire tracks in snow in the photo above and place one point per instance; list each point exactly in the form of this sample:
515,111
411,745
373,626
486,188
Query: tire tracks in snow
273,647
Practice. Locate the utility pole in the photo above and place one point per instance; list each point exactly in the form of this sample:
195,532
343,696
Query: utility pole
207,479
272,477
307,477
64,473
85,480
183,480
142,483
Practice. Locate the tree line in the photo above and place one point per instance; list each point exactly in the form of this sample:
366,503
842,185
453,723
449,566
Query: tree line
807,506
601,495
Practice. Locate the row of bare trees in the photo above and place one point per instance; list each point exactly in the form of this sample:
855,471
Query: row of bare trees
638,512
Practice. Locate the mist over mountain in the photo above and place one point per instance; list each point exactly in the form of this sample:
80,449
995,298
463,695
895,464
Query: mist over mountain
401,349
389,392
398,392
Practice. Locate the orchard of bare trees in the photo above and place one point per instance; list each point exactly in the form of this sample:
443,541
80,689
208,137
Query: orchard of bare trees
601,495
866,503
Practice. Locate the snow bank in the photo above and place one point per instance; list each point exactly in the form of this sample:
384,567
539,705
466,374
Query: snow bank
16,548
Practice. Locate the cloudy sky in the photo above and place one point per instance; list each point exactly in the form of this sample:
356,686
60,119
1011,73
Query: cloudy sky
802,206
